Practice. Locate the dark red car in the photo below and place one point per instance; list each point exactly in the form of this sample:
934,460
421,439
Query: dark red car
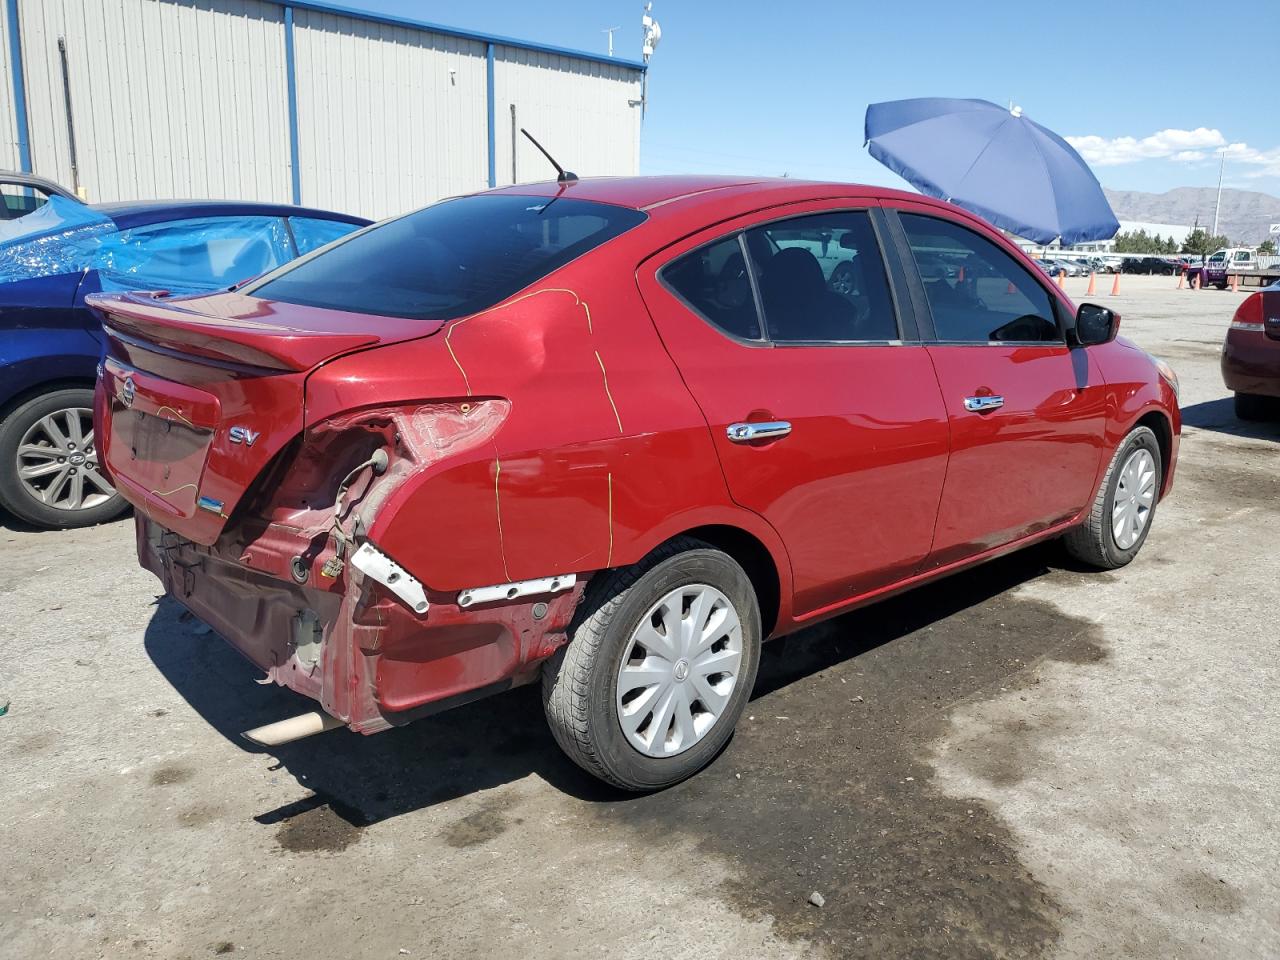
613,435
1251,355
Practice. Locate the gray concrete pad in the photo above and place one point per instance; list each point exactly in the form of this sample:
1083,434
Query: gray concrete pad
1023,760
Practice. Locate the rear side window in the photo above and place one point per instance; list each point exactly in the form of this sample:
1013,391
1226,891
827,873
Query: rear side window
448,260
977,292
312,233
713,280
822,279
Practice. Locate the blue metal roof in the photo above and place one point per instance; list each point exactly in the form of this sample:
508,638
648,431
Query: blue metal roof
321,7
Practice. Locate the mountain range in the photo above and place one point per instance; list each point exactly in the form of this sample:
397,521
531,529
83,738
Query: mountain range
1244,217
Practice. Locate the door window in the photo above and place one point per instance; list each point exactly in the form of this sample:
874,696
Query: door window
977,293
713,281
822,280
17,200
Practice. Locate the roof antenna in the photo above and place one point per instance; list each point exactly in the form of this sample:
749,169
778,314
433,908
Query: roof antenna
563,175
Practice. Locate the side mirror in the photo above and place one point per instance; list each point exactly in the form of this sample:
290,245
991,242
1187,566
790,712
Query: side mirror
1095,324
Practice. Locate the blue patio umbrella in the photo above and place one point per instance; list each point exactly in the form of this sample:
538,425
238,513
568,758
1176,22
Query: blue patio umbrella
994,162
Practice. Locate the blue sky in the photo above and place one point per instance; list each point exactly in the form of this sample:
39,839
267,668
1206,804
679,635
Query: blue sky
1154,91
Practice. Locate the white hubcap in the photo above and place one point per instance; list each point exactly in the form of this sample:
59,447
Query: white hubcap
1135,496
679,671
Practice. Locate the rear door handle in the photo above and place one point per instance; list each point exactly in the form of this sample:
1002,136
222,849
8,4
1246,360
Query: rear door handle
746,432
983,404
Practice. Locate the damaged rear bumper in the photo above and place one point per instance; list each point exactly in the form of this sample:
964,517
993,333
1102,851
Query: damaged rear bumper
369,656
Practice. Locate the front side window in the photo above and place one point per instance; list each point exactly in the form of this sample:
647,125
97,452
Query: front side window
450,259
191,256
822,279
977,293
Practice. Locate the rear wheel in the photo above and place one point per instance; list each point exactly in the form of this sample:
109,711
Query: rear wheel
1251,406
1121,516
49,473
658,669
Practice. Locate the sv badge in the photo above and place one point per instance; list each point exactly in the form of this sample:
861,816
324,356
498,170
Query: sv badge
243,435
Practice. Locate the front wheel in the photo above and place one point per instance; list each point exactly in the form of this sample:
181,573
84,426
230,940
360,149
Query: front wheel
49,474
659,667
1121,516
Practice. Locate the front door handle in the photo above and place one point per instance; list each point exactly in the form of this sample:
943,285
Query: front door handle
746,432
983,404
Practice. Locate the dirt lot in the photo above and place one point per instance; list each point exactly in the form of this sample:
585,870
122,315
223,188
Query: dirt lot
1024,760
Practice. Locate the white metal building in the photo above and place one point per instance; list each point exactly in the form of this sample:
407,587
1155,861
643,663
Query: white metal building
302,102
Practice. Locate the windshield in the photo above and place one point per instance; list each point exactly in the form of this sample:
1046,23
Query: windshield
448,260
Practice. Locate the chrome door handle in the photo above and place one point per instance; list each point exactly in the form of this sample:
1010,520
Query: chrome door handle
746,432
982,404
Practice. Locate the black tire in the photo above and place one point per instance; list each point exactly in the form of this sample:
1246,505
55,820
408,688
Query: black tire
15,497
1251,406
579,684
1093,542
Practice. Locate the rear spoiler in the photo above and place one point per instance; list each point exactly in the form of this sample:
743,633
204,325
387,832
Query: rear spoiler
258,336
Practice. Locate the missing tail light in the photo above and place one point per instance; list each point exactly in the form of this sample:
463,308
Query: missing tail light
346,466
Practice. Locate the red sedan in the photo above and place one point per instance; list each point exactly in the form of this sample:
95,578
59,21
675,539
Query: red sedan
612,435
1251,355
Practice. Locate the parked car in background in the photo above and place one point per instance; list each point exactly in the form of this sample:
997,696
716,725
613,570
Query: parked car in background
23,193
532,434
55,256
1251,355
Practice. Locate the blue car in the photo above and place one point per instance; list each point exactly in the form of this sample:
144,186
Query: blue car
63,250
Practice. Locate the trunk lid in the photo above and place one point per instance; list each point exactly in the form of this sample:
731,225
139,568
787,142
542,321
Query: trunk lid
198,395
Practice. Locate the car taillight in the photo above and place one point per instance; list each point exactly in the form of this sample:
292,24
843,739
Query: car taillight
1248,315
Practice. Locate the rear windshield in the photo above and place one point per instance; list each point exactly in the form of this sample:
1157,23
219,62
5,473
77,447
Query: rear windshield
448,260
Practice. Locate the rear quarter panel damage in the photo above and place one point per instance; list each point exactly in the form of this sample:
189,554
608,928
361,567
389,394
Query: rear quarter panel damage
599,447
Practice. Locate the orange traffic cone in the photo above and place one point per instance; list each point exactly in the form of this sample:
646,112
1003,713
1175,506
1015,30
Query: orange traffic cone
1062,279
1182,278
1115,285
1235,283
1012,289
960,278
1093,284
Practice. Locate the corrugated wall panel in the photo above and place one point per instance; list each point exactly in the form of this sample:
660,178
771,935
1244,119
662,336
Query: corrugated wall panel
172,98
389,118
8,119
577,109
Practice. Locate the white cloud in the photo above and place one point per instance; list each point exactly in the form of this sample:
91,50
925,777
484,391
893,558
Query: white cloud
1183,145
1265,163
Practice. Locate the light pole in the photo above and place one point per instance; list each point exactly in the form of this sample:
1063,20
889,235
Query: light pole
1218,206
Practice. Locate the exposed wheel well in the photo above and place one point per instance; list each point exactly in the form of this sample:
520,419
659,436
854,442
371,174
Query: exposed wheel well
1160,426
755,559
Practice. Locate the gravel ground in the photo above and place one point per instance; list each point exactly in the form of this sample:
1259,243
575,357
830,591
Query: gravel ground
1026,760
